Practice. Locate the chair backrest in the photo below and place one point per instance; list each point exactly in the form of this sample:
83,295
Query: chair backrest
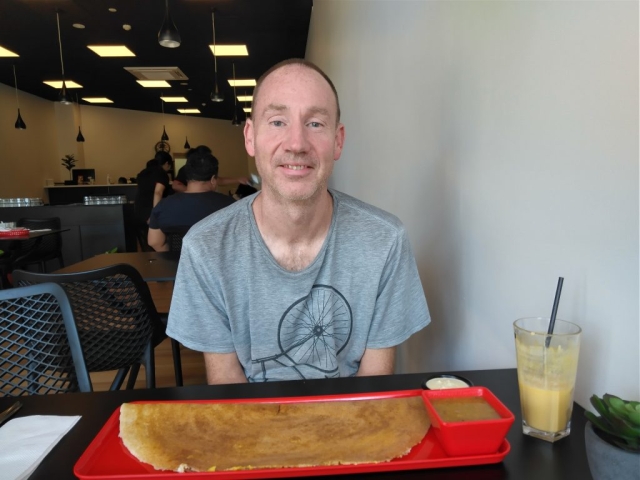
174,237
48,246
40,349
114,313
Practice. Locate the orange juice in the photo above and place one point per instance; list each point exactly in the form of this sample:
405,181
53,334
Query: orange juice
546,410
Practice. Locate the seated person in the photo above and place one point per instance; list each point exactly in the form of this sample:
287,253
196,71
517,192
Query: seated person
297,281
179,184
198,201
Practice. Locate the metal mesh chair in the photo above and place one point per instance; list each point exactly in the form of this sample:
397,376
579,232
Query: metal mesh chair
45,248
174,237
117,321
40,349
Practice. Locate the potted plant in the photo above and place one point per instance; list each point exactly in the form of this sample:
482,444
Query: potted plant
613,438
68,162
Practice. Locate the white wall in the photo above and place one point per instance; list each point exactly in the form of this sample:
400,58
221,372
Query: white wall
505,136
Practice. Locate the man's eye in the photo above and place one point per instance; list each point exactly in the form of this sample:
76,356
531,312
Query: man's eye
277,123
315,124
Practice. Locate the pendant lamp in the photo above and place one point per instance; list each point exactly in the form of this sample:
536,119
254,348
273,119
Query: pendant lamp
235,121
164,136
80,137
63,96
20,125
186,143
216,96
168,36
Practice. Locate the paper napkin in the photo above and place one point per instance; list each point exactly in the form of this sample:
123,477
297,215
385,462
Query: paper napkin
25,441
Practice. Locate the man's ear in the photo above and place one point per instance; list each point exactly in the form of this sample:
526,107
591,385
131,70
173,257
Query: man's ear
248,138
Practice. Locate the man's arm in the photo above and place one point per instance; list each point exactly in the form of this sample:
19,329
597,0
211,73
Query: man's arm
178,186
378,361
157,193
222,181
157,240
223,368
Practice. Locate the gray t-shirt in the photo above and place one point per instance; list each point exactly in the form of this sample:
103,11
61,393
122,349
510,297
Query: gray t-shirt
362,291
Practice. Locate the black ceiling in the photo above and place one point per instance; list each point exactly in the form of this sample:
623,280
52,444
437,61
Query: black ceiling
273,30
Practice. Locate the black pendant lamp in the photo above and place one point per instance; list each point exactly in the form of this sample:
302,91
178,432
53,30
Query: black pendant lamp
168,36
63,96
164,137
216,96
80,137
20,125
235,121
186,143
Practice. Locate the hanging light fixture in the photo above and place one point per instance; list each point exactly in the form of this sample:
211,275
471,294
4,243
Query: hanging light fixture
63,96
235,121
186,143
164,136
168,36
80,137
20,125
216,96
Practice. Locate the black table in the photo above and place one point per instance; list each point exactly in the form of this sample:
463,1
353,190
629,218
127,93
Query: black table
529,458
153,266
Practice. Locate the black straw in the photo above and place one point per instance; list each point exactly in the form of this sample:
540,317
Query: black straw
554,311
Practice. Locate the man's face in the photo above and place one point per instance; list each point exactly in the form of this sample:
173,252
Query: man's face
166,166
293,133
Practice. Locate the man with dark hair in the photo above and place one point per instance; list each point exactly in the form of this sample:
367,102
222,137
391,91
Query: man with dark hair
323,285
180,182
153,185
180,212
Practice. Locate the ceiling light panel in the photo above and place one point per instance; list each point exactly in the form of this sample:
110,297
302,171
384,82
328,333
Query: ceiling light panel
188,110
246,110
229,50
97,100
153,83
245,98
242,83
174,99
111,50
7,53
58,83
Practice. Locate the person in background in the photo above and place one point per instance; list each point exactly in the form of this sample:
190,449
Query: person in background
297,281
179,212
180,182
153,185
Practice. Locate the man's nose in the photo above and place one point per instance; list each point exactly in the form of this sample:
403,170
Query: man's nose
297,139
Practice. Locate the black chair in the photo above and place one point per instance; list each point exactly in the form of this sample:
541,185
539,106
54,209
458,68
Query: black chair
174,237
44,248
116,318
40,350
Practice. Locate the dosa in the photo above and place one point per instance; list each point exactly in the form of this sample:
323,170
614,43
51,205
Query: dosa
233,436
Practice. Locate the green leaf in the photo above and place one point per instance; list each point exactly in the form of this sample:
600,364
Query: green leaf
615,403
599,405
634,418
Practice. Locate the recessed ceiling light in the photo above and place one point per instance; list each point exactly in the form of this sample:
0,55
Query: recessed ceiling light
188,110
113,10
229,50
78,25
184,83
246,109
126,27
58,84
97,99
7,53
153,83
174,99
245,98
242,83
111,50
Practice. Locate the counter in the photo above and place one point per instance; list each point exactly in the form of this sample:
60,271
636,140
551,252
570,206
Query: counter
66,194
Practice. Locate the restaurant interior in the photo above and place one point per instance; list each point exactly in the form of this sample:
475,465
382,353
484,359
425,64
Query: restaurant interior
504,135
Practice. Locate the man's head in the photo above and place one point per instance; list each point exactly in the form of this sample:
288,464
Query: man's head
198,149
164,160
294,131
201,167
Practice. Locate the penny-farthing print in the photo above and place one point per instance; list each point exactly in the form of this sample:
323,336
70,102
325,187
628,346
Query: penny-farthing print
316,328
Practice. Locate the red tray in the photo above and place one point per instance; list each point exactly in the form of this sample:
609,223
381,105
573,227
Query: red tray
16,232
107,458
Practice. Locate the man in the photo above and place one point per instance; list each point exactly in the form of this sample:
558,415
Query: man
152,186
198,201
296,281
180,182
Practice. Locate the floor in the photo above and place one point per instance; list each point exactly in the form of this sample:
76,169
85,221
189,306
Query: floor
193,371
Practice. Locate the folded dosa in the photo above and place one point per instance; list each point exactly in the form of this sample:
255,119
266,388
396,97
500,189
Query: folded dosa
231,436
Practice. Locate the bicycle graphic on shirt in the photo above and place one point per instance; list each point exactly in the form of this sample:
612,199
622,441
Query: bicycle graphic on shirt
312,332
